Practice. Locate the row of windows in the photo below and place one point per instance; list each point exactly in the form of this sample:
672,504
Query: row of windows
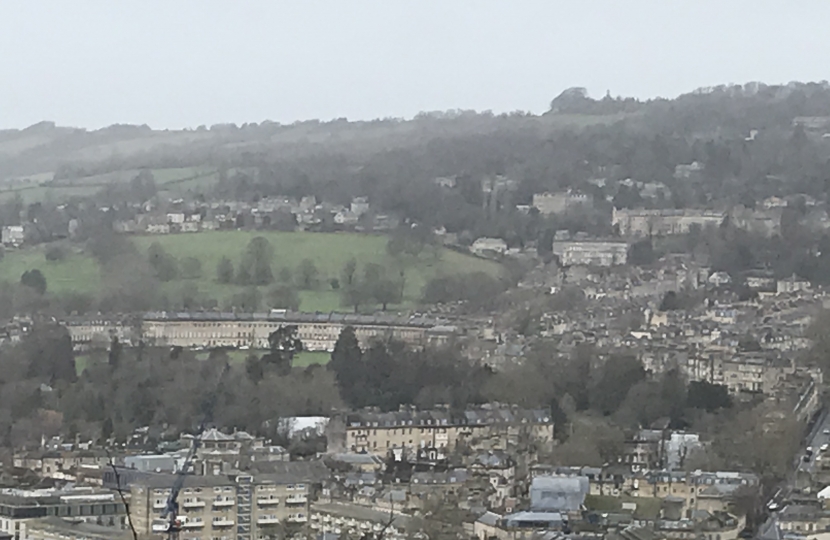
374,432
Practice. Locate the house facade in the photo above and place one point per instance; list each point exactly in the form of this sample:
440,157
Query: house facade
484,428
317,331
591,252
646,222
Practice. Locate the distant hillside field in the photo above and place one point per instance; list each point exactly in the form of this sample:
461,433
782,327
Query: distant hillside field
329,251
171,182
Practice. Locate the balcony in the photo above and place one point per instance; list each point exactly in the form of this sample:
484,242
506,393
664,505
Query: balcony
296,499
193,503
193,524
160,526
265,501
159,505
222,522
267,520
223,502
299,518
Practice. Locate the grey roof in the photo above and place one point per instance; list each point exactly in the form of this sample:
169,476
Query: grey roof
769,530
356,459
214,435
489,518
455,476
558,493
360,479
520,518
493,459
360,513
63,528
279,472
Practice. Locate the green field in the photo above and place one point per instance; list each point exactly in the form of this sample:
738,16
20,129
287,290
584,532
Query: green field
76,273
329,251
178,180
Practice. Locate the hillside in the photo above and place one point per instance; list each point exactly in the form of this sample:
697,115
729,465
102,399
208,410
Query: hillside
79,272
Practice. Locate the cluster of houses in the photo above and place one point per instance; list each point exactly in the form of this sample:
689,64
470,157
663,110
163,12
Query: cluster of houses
632,224
748,344
481,467
283,213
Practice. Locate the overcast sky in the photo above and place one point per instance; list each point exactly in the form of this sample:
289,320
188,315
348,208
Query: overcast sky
182,63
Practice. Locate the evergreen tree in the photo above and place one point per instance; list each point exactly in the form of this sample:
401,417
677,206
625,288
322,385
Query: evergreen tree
284,345
34,279
114,356
346,361
224,271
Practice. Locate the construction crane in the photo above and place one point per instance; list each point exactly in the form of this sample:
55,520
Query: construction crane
171,509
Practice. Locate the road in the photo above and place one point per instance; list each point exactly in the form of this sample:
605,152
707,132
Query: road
819,436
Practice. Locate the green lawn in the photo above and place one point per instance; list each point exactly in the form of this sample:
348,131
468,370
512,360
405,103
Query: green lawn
647,507
76,273
329,251
307,358
81,363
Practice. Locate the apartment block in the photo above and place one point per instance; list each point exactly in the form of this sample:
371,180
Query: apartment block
230,507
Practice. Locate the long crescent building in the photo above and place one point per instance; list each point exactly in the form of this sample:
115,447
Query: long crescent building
317,331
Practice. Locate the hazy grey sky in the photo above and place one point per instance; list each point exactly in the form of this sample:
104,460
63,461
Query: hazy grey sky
180,63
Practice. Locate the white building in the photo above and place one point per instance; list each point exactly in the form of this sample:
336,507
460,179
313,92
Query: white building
647,222
791,285
591,252
492,245
175,217
158,228
555,203
346,217
13,235
359,206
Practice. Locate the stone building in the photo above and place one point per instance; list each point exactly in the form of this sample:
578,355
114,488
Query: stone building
591,252
557,203
643,222
486,428
317,331
241,506
19,508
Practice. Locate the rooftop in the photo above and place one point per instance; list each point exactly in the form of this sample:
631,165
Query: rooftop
295,317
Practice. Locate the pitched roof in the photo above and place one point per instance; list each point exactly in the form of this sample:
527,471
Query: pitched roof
215,435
